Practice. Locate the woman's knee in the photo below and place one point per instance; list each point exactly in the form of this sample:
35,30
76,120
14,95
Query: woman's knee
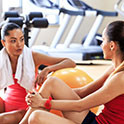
51,80
49,83
32,119
11,117
4,118
36,117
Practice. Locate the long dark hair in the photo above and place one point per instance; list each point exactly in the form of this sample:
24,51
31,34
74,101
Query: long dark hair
115,32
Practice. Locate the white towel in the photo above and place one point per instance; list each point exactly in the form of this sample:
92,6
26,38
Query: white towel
25,70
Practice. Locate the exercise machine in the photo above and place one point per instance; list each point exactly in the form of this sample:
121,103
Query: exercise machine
86,51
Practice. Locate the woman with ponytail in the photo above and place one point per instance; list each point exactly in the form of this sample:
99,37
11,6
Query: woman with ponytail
18,70
75,104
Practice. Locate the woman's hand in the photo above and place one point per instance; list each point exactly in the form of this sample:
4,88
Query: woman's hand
42,76
34,100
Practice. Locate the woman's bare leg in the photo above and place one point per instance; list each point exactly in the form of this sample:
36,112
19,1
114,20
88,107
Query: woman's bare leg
39,117
58,90
25,118
13,117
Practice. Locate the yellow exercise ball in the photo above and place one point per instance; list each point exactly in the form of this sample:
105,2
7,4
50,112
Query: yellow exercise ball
73,77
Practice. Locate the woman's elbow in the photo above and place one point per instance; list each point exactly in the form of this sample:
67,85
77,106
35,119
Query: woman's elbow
72,63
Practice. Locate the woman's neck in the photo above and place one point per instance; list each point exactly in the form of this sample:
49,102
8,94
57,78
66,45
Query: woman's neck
117,61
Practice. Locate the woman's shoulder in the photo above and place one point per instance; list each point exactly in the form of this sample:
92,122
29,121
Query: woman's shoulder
34,53
39,58
118,80
120,76
37,55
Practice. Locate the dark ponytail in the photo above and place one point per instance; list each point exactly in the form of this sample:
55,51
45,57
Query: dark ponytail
115,32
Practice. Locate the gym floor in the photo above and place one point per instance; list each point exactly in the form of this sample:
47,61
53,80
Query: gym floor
94,68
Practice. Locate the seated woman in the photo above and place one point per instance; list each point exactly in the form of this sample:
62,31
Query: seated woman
76,103
18,65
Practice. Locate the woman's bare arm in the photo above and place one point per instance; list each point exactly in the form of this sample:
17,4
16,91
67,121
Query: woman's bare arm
95,85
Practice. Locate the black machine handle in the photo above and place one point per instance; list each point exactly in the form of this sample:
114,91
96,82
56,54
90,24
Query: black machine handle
83,6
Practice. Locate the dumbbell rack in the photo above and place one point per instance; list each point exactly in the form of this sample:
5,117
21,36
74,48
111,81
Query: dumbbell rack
26,22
